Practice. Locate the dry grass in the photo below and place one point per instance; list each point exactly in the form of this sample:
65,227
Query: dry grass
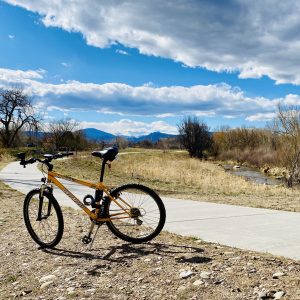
5,158
174,173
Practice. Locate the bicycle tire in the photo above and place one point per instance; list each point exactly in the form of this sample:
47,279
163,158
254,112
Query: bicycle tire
37,228
128,229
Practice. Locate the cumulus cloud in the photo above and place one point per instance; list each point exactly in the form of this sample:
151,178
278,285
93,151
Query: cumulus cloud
117,98
19,76
254,38
130,127
261,117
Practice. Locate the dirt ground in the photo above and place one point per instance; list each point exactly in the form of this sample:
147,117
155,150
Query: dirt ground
169,267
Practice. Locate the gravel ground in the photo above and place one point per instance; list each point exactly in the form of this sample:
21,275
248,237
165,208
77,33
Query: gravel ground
170,267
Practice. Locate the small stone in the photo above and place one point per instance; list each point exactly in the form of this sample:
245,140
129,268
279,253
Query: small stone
253,270
218,281
278,295
70,289
91,290
147,259
278,274
24,293
198,282
57,271
186,274
205,275
262,295
181,288
48,278
45,284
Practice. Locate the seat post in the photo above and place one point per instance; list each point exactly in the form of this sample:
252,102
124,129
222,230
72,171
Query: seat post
102,170
99,193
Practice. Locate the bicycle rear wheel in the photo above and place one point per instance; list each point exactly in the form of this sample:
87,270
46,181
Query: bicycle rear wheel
43,218
147,212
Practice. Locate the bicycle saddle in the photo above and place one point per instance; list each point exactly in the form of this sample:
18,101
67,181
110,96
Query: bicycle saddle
107,154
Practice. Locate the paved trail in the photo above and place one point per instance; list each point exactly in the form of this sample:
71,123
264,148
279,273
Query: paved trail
264,230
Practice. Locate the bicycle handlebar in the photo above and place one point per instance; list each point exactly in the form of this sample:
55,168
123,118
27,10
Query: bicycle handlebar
47,160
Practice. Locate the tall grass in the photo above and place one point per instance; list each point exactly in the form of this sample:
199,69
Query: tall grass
169,172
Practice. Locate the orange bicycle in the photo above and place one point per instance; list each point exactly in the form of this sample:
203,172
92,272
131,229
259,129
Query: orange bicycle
133,212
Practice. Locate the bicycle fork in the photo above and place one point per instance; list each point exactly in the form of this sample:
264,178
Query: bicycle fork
40,215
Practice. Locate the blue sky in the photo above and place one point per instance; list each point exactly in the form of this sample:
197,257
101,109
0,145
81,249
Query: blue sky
133,67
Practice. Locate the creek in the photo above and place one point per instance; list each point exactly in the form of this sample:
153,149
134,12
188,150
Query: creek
251,174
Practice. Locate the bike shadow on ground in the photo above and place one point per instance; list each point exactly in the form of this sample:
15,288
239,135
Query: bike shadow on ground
127,253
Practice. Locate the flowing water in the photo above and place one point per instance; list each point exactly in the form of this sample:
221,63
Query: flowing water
251,174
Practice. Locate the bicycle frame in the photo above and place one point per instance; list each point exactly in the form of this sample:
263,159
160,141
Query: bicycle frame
52,178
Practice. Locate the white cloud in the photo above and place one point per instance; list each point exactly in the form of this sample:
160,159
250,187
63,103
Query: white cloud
10,36
64,64
117,98
131,128
122,52
254,38
19,76
261,117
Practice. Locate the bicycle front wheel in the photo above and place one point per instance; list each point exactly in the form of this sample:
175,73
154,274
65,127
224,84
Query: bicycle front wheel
43,218
145,216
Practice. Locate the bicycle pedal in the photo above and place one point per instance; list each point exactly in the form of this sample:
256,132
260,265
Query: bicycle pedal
86,240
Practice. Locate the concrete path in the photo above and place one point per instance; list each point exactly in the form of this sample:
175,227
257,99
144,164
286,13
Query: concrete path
264,230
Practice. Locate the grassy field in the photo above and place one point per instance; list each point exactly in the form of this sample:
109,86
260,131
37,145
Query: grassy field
173,173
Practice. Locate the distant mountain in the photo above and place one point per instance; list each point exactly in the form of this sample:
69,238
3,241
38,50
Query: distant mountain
98,135
153,137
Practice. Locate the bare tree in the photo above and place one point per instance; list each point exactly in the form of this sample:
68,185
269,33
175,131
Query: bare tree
16,113
65,135
194,136
287,126
121,142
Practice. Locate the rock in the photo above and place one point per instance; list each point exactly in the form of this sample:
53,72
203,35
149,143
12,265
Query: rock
278,274
278,295
262,295
253,270
70,289
91,290
218,281
198,282
147,260
58,270
45,284
181,288
205,275
186,274
48,278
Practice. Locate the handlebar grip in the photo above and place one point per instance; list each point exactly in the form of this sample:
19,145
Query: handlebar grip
31,161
